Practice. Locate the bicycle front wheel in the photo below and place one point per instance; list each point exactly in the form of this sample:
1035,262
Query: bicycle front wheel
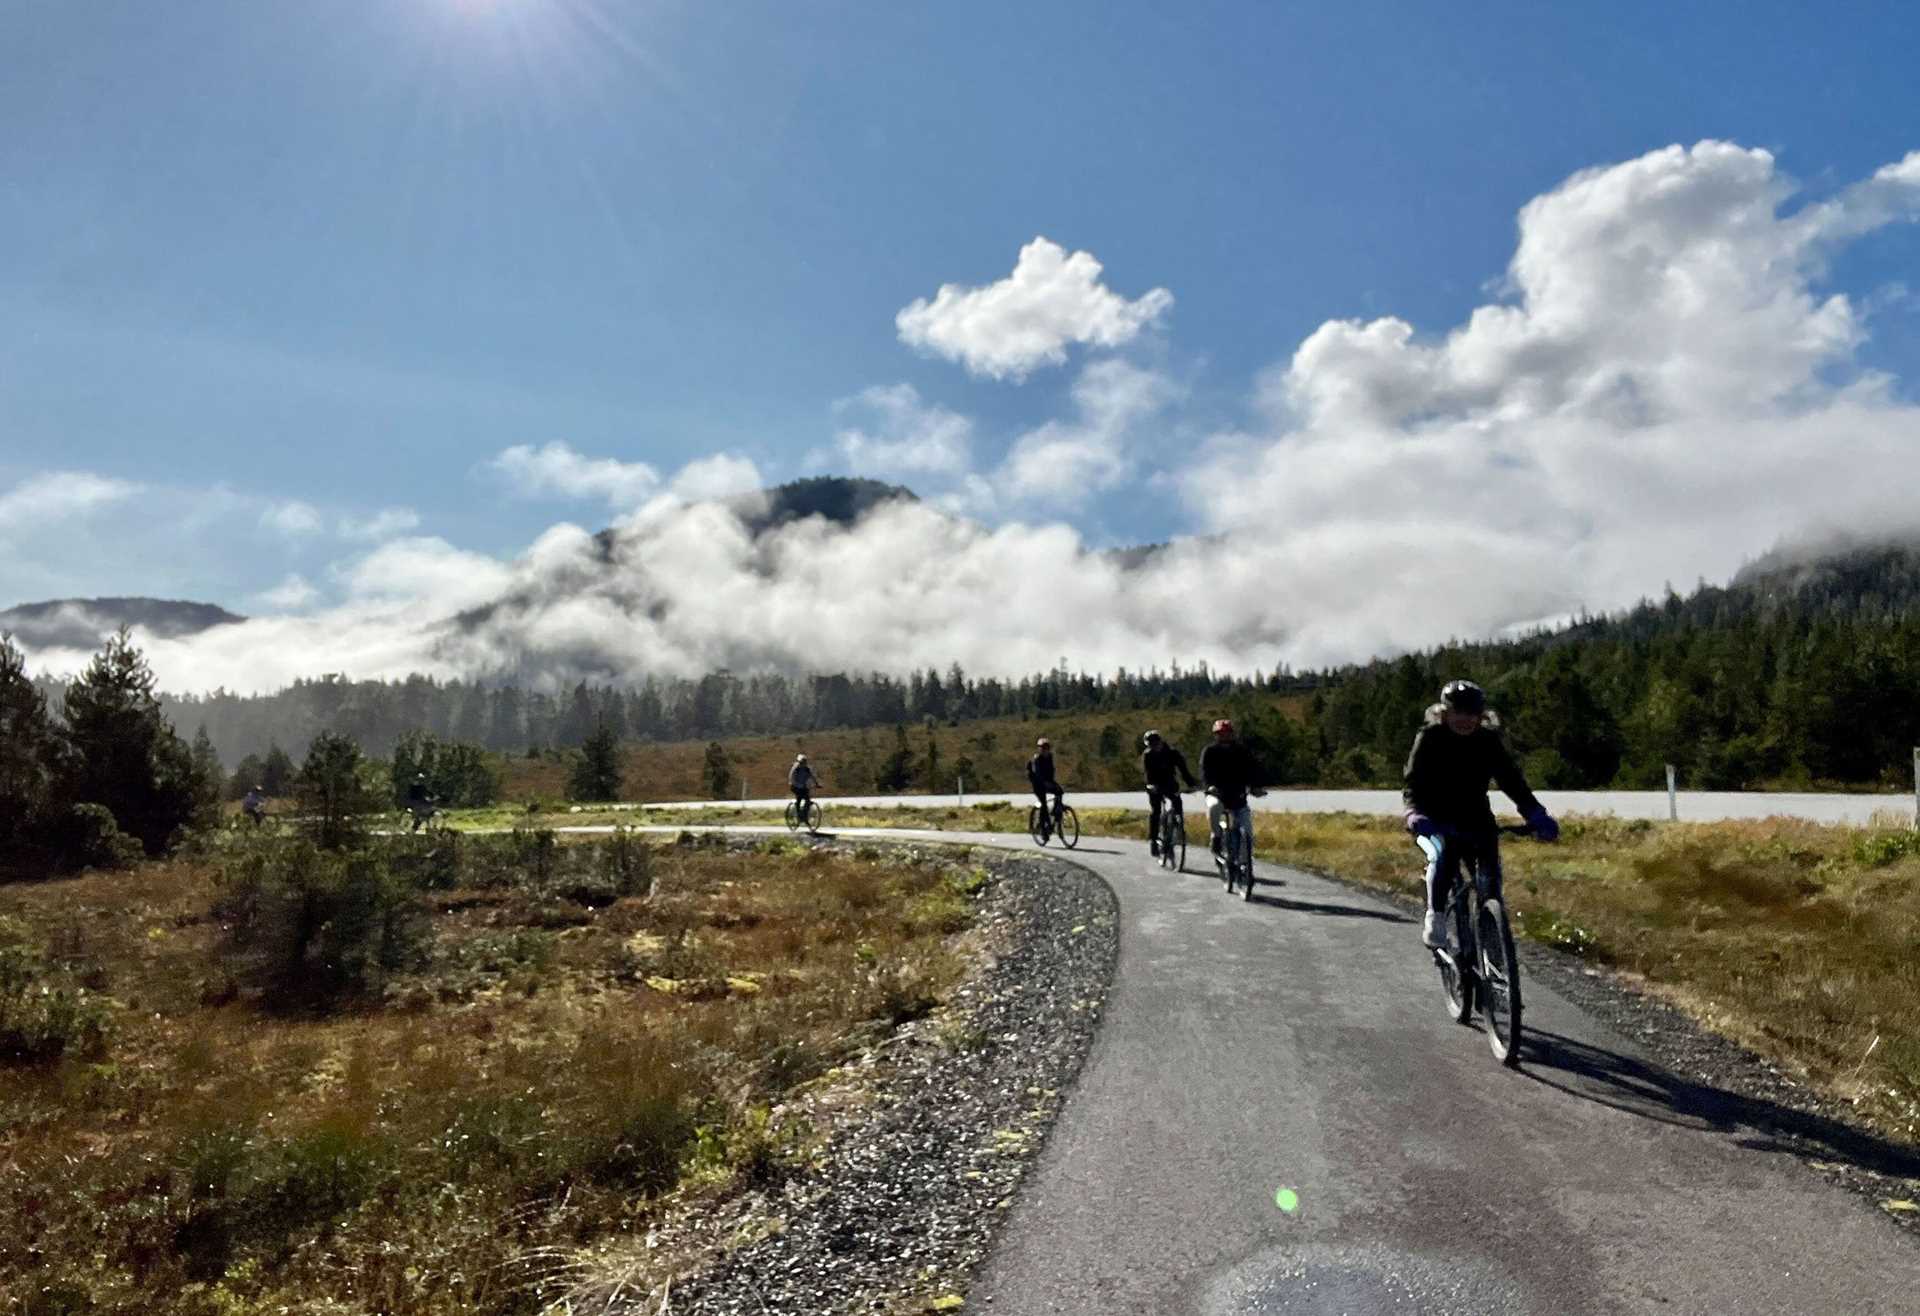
1173,847
1069,828
1500,983
813,815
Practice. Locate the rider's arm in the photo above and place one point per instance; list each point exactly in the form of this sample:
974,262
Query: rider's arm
1508,776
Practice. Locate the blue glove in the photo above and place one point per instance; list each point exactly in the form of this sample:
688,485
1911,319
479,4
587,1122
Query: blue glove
1420,825
1543,824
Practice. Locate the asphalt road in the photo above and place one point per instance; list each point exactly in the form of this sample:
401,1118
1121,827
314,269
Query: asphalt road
1299,1042
1693,806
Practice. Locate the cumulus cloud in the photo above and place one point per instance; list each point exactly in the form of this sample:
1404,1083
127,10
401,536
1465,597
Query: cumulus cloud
1068,462
722,475
1051,301
54,496
556,469
895,435
292,594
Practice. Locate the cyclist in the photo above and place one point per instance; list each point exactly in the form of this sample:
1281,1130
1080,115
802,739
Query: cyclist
1163,766
420,800
1454,754
254,806
1230,773
801,779
1040,777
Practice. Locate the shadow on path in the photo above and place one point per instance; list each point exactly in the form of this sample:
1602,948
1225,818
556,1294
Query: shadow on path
1626,1084
1315,907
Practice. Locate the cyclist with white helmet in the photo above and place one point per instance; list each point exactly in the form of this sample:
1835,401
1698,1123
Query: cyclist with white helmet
1454,755
801,779
1040,777
1163,766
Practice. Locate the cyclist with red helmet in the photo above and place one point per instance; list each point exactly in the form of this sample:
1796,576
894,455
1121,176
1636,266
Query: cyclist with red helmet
1454,755
1230,774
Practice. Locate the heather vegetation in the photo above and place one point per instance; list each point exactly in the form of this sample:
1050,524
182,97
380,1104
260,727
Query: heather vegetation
410,1075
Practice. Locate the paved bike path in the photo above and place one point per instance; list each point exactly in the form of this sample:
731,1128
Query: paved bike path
1299,1042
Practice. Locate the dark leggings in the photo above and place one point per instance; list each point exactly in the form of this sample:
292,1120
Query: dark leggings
1059,797
1156,796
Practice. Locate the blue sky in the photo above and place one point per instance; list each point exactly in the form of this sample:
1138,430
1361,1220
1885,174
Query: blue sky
339,257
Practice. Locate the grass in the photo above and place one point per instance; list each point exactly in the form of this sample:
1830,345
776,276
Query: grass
583,1039
1796,939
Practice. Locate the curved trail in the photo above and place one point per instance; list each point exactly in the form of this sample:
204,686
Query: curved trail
1298,1042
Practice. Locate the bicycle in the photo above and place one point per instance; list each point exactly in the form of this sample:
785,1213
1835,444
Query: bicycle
811,819
1173,834
1062,821
1233,850
1479,968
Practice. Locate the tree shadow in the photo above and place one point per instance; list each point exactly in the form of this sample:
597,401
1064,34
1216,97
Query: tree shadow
1637,1087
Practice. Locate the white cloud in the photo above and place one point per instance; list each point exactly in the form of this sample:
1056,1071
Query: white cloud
557,469
1051,301
293,594
897,436
292,518
1067,462
428,572
722,475
55,496
383,524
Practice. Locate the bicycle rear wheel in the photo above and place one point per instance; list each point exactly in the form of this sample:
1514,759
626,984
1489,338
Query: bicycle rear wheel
793,815
1173,844
1037,824
1069,827
1500,983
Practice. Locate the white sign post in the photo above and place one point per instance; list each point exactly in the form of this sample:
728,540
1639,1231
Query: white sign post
1916,788
960,786
1673,797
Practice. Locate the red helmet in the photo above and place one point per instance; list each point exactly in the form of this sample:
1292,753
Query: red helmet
1224,724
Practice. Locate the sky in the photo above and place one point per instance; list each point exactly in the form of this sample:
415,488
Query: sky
1418,321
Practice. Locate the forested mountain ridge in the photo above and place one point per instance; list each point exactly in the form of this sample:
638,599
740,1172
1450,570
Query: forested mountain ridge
86,623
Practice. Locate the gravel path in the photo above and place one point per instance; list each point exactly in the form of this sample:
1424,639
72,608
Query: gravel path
904,1202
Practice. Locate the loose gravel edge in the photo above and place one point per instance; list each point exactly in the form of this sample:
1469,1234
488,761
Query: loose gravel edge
922,1139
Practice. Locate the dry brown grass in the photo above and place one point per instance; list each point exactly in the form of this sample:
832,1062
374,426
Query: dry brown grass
451,1144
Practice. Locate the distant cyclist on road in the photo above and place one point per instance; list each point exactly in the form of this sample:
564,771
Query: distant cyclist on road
1040,777
801,779
420,800
1454,755
1231,774
1163,766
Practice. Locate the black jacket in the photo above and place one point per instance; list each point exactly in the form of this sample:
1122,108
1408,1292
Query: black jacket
1229,771
1040,771
1447,775
1161,767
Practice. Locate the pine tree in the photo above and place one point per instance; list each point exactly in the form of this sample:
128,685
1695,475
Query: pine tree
596,771
719,771
30,754
124,754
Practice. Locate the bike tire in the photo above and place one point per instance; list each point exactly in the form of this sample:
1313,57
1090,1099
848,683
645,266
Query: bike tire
1500,983
1069,827
1175,845
813,817
1456,984
1037,824
1246,874
793,816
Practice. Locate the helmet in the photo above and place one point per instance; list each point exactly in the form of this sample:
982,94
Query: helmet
799,758
419,776
1044,743
1463,697
1224,724
1150,737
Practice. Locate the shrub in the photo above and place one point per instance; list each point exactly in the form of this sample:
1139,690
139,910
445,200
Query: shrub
88,837
43,1016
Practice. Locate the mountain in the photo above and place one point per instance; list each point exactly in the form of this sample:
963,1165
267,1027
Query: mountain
86,623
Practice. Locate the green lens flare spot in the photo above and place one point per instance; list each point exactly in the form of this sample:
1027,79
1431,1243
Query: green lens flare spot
1287,1200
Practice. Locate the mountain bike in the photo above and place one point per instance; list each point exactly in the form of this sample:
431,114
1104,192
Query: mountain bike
1173,834
1232,848
811,817
1478,967
1043,825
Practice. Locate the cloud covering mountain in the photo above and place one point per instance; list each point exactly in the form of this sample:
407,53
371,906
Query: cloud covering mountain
1662,387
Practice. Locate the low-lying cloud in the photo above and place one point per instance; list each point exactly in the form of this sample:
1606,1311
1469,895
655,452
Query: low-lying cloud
1663,389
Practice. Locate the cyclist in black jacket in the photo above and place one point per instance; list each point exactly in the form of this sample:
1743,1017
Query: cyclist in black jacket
1230,773
1040,777
1454,755
1163,766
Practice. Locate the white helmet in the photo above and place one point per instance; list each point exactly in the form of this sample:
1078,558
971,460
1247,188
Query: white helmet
799,758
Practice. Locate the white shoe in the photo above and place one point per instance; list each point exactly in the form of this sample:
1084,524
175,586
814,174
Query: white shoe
1433,935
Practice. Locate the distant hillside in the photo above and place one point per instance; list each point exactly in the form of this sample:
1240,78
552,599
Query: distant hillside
840,499
86,623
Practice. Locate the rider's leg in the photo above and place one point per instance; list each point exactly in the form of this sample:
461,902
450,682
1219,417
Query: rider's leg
1153,819
1244,816
1443,860
1214,811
